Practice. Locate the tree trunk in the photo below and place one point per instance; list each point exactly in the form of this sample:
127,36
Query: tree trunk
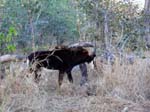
106,32
147,22
32,34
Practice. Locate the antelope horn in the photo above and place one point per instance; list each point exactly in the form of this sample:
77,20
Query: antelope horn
81,44
85,44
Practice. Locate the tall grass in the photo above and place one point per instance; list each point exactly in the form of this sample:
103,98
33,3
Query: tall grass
111,88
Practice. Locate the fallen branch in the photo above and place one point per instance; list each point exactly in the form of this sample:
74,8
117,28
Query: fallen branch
11,57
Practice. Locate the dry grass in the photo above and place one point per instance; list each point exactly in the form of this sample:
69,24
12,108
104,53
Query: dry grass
117,88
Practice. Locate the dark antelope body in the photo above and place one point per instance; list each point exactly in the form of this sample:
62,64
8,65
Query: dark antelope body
60,58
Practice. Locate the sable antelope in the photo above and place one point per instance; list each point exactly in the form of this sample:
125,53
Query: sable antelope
83,66
62,59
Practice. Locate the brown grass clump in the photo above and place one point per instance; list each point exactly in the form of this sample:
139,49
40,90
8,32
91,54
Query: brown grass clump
128,81
111,88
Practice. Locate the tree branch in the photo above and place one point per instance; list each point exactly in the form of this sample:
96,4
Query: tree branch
11,57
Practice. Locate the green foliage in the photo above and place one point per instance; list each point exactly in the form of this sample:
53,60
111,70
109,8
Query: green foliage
124,22
7,43
46,22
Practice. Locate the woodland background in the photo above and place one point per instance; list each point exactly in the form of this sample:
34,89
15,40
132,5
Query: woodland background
121,30
32,24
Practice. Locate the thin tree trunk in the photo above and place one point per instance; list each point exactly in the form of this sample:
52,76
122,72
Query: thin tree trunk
106,33
32,34
147,22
